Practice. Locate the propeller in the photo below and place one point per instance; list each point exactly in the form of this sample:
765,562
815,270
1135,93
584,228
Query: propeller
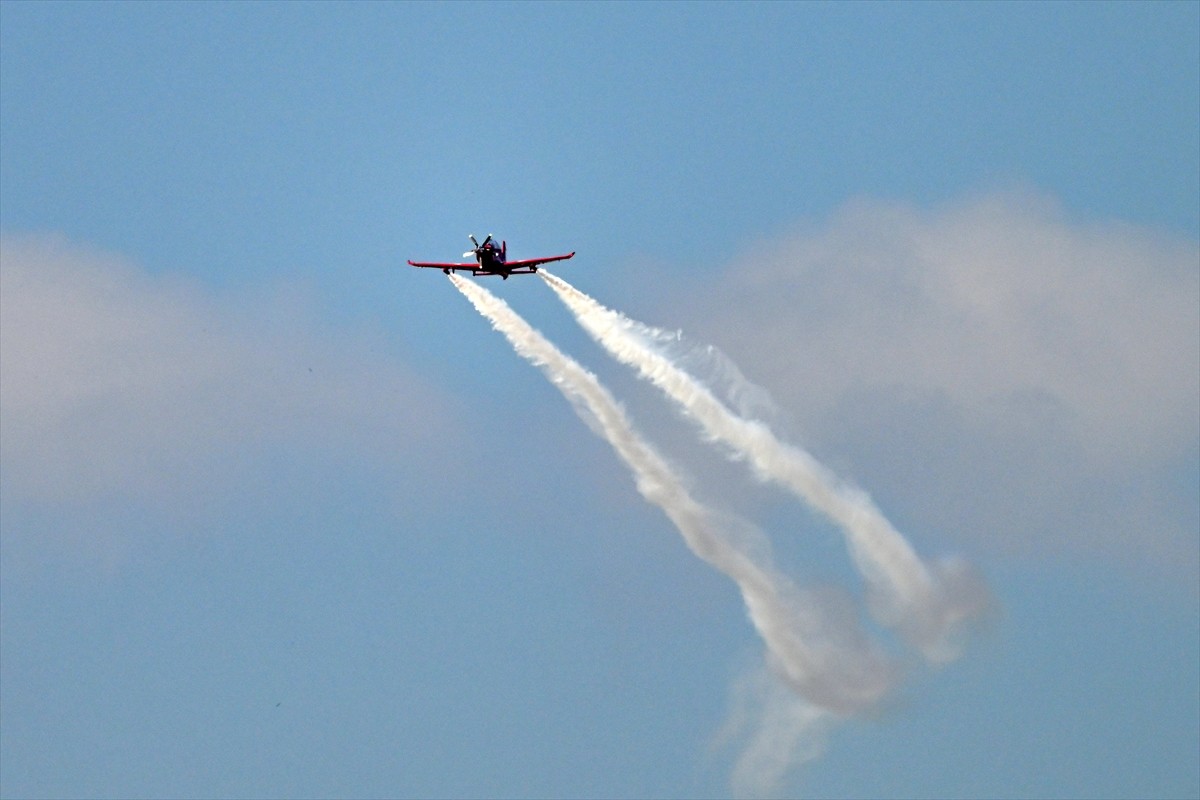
478,246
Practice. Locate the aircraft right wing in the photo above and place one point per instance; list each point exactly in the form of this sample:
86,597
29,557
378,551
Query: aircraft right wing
451,267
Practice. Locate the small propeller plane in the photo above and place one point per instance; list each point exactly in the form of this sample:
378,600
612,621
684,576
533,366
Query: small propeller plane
492,260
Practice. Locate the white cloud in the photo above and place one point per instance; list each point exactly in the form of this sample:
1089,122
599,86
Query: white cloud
118,386
988,367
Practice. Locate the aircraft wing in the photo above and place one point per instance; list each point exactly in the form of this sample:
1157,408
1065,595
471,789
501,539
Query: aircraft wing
529,263
432,265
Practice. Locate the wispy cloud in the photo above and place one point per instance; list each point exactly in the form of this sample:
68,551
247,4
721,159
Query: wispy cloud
1039,375
122,386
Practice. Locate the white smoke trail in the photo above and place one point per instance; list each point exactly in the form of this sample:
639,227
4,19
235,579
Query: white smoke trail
779,729
824,657
927,608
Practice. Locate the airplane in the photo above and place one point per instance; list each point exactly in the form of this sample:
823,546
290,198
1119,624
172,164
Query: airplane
492,260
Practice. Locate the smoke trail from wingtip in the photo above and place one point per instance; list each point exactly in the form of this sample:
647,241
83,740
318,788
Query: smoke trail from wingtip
926,607
827,660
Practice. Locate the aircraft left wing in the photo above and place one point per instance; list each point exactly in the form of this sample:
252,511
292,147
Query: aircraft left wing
529,263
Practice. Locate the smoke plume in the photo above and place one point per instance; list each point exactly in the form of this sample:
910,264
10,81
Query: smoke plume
826,659
928,606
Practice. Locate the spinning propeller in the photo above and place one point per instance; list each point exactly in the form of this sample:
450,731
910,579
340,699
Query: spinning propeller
478,246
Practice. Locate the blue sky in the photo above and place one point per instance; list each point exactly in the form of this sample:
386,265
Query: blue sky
280,516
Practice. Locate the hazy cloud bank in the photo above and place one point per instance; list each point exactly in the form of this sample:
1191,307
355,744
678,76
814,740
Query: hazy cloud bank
124,388
1038,376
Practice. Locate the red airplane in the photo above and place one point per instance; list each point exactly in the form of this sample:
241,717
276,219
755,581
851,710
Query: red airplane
492,260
